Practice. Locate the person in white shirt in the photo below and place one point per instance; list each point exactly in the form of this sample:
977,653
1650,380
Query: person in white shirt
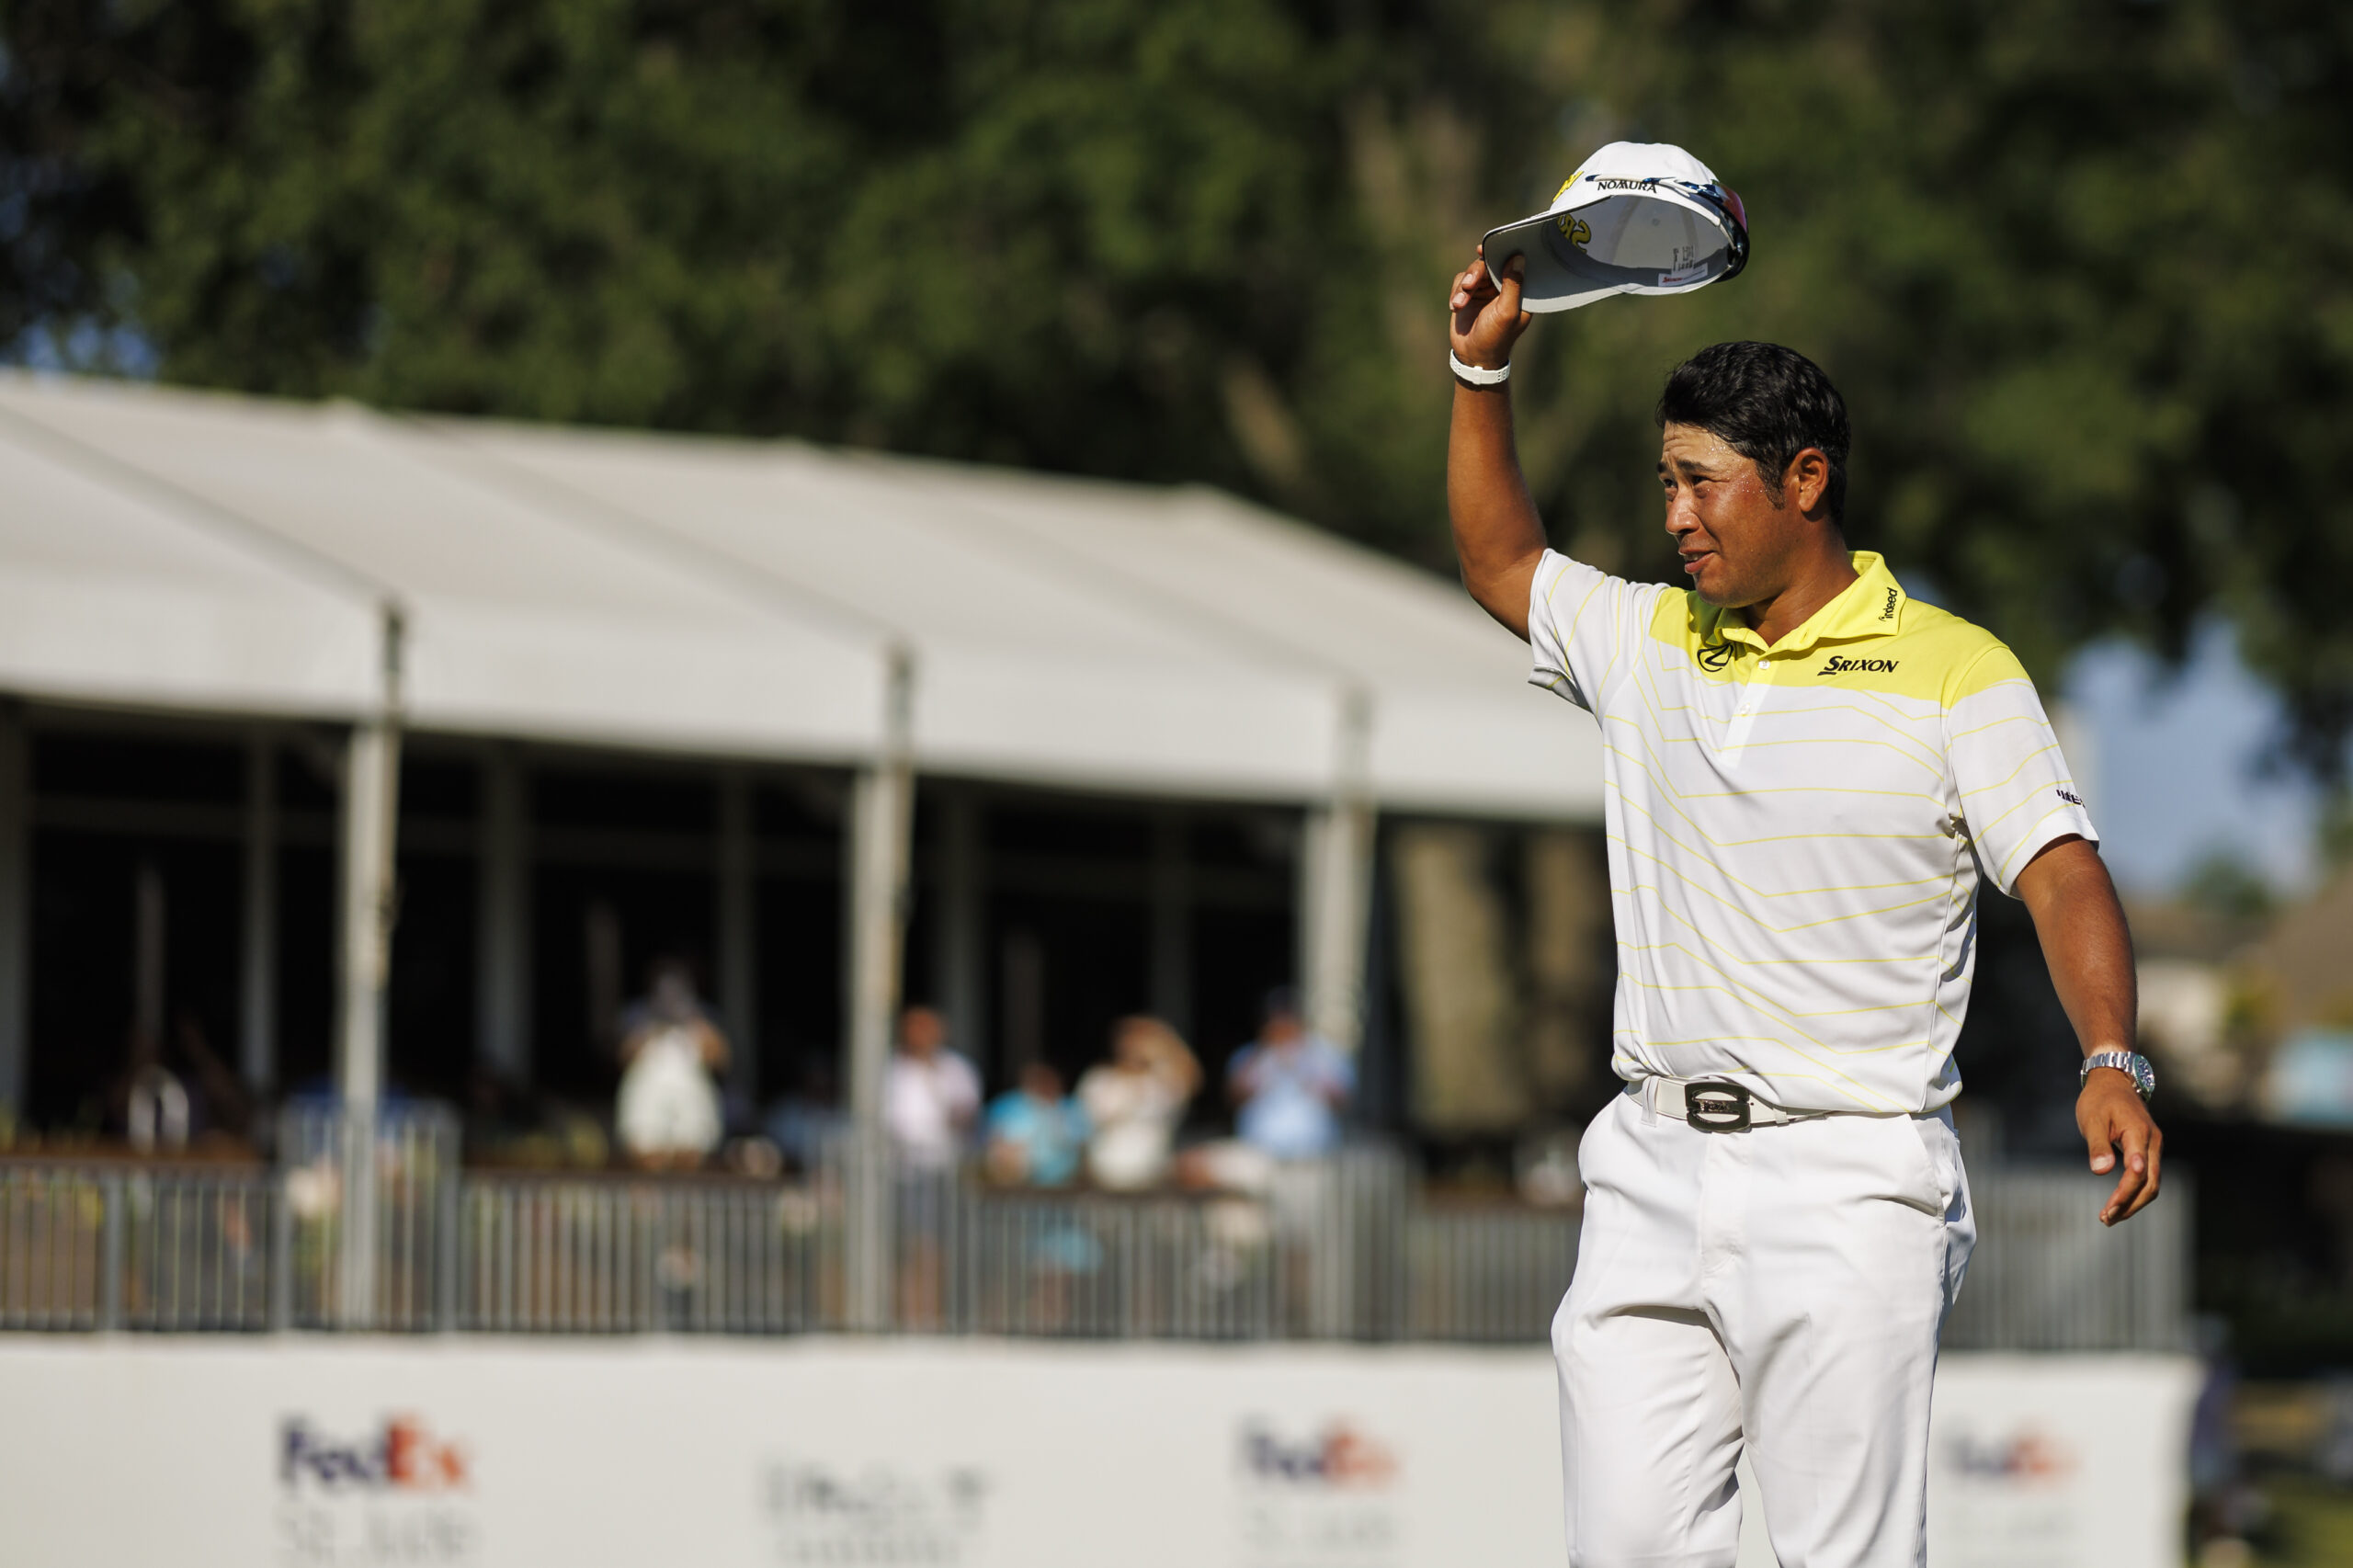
668,1113
930,1100
1808,777
932,1096
1133,1103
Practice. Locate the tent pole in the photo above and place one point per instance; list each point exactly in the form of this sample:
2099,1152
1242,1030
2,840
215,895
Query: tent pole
503,920
371,818
16,894
881,824
257,968
1171,986
1335,886
737,917
961,924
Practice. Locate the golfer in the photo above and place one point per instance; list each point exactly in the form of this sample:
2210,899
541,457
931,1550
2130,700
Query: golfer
1809,777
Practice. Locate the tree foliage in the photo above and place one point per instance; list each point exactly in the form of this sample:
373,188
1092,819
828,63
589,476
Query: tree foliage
2085,271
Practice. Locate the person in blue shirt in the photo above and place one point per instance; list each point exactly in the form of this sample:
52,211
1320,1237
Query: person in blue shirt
1036,1133
1290,1084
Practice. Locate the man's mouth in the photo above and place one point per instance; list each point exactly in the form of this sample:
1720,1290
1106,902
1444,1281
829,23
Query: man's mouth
1692,558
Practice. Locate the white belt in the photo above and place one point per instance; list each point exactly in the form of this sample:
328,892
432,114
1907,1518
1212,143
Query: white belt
1722,1107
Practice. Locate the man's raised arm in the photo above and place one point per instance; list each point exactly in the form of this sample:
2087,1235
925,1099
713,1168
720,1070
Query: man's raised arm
1497,534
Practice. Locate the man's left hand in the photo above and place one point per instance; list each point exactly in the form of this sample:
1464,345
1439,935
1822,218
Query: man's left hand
2114,1119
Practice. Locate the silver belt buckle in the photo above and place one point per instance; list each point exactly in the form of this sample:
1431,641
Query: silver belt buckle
1716,1107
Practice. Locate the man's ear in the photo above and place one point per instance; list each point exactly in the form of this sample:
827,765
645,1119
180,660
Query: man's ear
1806,482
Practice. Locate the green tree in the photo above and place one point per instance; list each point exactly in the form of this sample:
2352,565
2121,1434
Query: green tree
2085,271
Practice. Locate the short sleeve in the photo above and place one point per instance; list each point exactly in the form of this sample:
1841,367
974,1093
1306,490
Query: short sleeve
2017,794
1582,627
962,1084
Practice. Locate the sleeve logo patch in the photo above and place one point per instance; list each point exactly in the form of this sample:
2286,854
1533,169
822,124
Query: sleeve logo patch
1836,665
2071,797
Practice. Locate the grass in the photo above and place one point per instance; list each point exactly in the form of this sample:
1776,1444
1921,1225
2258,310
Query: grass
2310,1524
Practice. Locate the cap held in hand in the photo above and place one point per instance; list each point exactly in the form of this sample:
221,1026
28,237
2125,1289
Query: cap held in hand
1638,218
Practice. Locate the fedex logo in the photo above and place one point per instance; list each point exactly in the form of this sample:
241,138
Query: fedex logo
1340,1456
403,1457
2027,1458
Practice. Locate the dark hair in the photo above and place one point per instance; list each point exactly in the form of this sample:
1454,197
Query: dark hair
1767,403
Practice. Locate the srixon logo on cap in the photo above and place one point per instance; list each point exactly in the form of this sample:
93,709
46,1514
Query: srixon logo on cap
402,1455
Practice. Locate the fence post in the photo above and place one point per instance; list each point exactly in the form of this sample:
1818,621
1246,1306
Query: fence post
111,1244
281,1253
356,1220
657,1231
448,1213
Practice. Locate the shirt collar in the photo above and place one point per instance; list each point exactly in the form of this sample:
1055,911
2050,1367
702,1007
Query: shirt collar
1871,606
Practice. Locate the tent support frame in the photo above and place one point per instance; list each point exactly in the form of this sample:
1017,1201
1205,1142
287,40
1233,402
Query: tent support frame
16,906
257,955
503,919
880,846
370,824
735,919
1335,886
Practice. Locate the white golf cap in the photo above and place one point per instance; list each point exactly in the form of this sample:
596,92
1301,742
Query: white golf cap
1638,218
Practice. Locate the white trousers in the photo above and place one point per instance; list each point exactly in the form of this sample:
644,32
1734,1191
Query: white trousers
1781,1287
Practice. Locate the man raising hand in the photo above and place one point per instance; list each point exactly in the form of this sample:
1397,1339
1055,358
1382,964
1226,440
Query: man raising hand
1808,777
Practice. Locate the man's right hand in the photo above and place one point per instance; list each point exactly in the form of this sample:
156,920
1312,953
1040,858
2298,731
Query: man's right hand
1487,320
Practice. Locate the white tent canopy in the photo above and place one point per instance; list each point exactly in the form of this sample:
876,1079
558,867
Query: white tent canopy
1022,670
111,593
517,621
743,598
736,600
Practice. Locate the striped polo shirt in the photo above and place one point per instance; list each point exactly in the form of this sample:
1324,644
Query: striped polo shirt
1797,832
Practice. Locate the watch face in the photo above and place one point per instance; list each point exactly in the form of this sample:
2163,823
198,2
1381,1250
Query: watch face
2133,1064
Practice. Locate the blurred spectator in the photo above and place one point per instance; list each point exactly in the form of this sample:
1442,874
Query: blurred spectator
803,1123
225,1112
668,1112
932,1095
157,1112
1036,1133
1290,1084
1134,1101
930,1102
170,1094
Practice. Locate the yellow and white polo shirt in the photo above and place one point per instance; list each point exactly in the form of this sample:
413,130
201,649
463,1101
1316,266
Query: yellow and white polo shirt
1797,832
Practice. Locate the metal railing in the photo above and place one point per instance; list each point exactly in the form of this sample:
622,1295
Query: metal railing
2047,1276
393,1272
1354,1248
170,1248
600,1254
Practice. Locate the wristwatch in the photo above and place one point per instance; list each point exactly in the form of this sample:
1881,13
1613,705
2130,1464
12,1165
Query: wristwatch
2130,1062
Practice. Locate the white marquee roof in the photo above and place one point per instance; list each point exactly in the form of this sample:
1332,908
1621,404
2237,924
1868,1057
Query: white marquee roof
193,550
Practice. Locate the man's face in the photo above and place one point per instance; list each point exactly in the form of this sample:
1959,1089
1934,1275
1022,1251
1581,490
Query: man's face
1737,545
922,1032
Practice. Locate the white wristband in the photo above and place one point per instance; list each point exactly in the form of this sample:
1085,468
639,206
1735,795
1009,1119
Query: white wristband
1478,375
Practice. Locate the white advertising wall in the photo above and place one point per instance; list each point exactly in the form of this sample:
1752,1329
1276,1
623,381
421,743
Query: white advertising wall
301,1453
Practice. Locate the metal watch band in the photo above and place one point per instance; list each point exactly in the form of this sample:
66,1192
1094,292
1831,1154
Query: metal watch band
2131,1063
